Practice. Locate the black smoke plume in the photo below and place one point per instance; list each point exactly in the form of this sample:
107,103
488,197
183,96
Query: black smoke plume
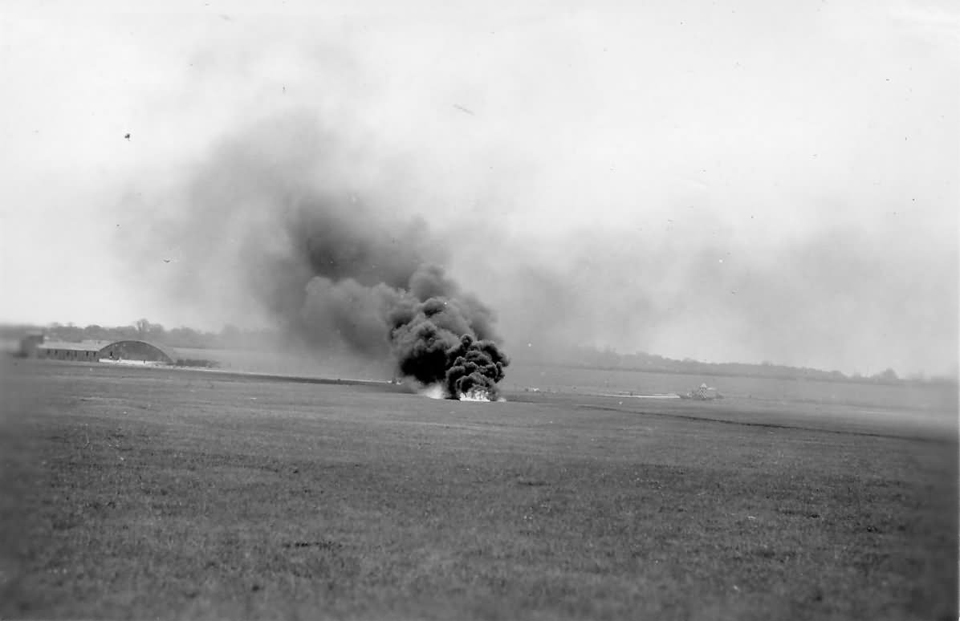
441,337
326,246
368,288
436,334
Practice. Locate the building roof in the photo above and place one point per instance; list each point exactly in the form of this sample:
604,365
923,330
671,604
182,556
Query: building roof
169,352
99,346
74,346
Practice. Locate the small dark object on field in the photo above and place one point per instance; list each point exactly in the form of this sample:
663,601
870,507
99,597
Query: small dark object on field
703,393
322,544
197,362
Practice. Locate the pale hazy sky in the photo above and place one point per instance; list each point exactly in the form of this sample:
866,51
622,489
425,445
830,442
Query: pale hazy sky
721,180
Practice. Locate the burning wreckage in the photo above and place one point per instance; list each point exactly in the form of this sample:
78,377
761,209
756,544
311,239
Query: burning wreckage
436,347
703,393
348,284
337,267
438,337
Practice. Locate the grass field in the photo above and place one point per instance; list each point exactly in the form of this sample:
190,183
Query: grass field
930,400
156,493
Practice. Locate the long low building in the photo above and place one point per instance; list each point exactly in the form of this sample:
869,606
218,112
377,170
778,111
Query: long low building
87,351
126,351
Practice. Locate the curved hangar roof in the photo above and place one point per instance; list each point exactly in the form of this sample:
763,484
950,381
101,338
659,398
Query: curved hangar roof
137,351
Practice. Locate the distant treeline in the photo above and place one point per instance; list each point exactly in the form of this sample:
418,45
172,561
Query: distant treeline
589,357
232,337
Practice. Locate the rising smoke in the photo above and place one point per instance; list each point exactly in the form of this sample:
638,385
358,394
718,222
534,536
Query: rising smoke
436,334
286,221
335,271
370,290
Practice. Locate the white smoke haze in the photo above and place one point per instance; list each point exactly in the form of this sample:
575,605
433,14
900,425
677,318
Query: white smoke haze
433,391
728,183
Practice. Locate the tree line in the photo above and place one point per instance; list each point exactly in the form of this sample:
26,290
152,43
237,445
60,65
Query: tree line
229,337
596,358
233,337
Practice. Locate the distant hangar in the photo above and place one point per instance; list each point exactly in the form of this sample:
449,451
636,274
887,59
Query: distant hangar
125,351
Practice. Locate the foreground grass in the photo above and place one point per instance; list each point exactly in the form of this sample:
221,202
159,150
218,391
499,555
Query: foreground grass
145,493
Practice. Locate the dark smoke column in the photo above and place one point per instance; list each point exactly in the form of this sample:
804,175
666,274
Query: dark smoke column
317,245
441,337
357,280
477,367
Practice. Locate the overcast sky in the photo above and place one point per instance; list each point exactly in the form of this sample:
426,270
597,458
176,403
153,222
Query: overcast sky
729,181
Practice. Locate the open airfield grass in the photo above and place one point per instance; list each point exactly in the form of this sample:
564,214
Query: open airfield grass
158,493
